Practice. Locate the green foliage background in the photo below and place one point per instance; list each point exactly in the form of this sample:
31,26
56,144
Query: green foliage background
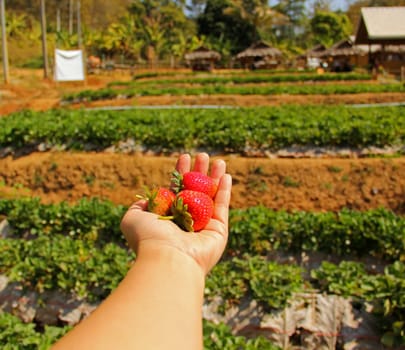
150,30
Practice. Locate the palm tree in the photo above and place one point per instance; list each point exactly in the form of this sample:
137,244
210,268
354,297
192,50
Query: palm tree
120,38
160,25
16,25
258,13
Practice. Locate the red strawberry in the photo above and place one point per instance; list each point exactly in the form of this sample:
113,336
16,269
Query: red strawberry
194,181
192,210
160,200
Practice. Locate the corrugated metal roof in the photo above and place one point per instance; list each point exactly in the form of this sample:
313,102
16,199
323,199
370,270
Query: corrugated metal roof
381,23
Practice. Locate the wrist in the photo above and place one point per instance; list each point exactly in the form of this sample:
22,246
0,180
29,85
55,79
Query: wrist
172,260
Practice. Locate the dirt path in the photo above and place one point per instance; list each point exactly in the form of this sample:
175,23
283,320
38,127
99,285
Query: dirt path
292,184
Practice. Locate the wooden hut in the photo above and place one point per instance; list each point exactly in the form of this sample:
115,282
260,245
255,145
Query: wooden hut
344,55
260,55
383,26
202,59
311,58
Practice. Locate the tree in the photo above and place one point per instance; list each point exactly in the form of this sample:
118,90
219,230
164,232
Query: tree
160,25
219,25
330,27
16,25
99,14
322,6
258,14
120,39
96,14
294,12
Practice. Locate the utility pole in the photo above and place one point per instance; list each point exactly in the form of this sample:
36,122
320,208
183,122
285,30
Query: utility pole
57,26
79,25
4,40
58,19
70,17
44,47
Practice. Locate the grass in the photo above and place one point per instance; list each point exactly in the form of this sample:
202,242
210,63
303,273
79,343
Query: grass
290,182
334,169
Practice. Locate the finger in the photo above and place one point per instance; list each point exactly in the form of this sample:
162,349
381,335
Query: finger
127,220
201,163
183,164
218,169
139,205
222,200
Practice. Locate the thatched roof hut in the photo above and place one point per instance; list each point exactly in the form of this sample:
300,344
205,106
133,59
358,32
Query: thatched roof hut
315,51
202,58
311,58
260,55
344,55
344,48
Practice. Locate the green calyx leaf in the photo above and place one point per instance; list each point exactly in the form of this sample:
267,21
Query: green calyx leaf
176,182
181,216
150,195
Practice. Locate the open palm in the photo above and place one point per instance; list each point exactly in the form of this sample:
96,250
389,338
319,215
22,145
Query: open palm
144,230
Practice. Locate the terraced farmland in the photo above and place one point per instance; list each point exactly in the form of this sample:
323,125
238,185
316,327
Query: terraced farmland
316,253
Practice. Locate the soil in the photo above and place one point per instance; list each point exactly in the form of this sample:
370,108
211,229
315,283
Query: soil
292,184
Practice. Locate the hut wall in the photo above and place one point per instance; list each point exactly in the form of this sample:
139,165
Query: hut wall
392,62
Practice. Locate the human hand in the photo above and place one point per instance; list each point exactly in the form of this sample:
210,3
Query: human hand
145,231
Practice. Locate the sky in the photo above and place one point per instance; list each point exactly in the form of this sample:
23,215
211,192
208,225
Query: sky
335,4
339,5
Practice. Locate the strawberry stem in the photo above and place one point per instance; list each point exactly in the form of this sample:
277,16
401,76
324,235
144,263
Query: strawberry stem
167,217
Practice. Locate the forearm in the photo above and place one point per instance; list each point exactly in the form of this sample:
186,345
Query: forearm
158,305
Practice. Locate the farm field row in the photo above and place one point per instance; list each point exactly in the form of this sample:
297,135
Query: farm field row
246,131
28,90
78,250
255,83
252,89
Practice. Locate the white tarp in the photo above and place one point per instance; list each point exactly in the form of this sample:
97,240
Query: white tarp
69,65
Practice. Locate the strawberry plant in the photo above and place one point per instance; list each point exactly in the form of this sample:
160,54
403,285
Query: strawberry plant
15,334
152,90
378,233
269,283
57,262
257,230
220,337
251,78
67,248
226,130
385,291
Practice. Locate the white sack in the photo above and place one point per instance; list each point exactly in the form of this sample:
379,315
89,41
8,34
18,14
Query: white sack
69,65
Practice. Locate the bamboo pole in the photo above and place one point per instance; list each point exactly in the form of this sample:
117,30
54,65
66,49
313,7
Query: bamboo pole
4,41
44,46
79,25
70,17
